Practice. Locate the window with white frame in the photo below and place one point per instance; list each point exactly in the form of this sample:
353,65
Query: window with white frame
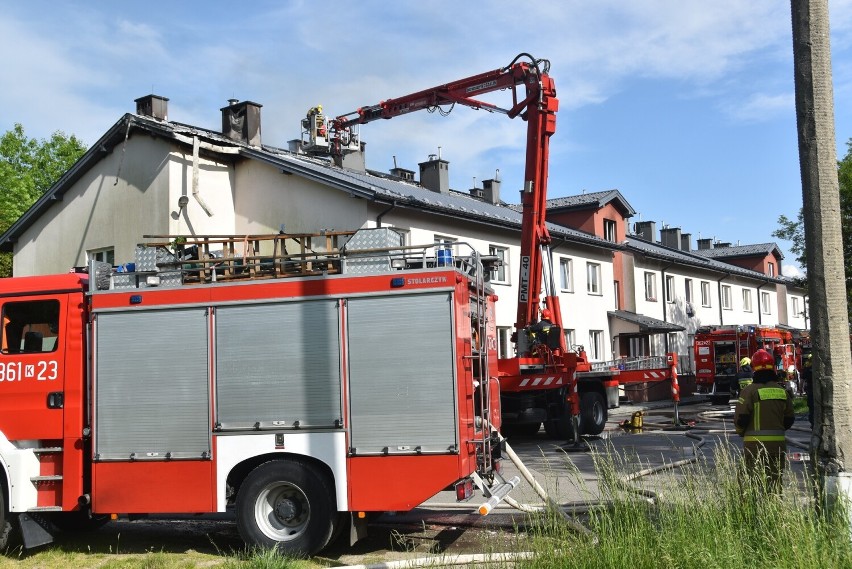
500,274
106,255
705,294
444,250
726,297
616,287
596,344
674,344
570,337
651,287
670,284
687,290
593,278
795,303
746,300
764,303
609,230
770,269
444,243
566,275
504,335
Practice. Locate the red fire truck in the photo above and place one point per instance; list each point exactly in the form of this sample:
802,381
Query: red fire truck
719,350
295,402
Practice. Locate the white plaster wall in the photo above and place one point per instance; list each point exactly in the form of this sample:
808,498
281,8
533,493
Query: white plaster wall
112,205
266,199
581,311
215,190
120,200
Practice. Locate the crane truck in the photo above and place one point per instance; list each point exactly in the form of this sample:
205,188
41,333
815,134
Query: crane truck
538,384
165,387
276,388
545,382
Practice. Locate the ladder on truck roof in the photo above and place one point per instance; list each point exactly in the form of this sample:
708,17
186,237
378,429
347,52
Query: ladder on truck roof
170,261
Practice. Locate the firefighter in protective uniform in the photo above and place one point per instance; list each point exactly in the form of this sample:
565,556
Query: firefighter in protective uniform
763,413
541,329
746,375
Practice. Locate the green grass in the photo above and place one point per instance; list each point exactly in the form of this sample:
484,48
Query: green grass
709,516
800,406
55,557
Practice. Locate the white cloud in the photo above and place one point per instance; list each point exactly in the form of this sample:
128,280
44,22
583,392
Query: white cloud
791,271
760,106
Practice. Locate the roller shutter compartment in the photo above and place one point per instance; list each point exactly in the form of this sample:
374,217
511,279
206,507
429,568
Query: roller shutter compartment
278,365
151,385
402,374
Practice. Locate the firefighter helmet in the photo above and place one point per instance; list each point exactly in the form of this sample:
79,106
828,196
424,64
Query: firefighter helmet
545,314
745,362
762,360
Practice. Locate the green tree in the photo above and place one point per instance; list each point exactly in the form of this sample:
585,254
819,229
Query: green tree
28,168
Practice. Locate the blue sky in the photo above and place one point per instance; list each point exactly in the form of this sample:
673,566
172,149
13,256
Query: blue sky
686,107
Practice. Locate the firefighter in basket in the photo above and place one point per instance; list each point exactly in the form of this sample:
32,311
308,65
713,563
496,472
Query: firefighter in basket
541,329
764,411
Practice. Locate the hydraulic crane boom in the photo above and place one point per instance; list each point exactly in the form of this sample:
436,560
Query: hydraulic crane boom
537,105
538,385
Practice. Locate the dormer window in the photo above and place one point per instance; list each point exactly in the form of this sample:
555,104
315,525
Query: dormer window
609,230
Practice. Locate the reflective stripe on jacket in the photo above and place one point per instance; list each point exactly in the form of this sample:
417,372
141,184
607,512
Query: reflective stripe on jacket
765,405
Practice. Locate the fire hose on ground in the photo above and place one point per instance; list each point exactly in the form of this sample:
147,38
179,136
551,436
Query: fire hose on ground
549,505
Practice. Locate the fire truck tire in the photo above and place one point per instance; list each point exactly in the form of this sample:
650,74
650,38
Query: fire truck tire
5,522
593,413
287,505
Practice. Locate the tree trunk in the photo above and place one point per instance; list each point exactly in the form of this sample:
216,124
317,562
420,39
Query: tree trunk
831,441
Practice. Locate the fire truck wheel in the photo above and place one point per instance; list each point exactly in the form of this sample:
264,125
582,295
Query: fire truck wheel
5,522
287,505
593,413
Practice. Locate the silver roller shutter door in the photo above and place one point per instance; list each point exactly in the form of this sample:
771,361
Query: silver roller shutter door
151,387
402,374
278,365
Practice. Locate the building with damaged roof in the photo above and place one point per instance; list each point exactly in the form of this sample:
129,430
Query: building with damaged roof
622,292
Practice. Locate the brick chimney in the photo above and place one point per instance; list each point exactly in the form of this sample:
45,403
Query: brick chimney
435,175
153,106
241,121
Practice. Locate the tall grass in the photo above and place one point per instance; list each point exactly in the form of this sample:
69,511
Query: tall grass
704,515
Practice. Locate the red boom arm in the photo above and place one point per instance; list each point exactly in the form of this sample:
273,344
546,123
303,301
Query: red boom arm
538,107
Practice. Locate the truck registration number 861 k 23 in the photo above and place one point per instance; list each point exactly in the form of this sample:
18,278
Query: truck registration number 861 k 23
19,371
